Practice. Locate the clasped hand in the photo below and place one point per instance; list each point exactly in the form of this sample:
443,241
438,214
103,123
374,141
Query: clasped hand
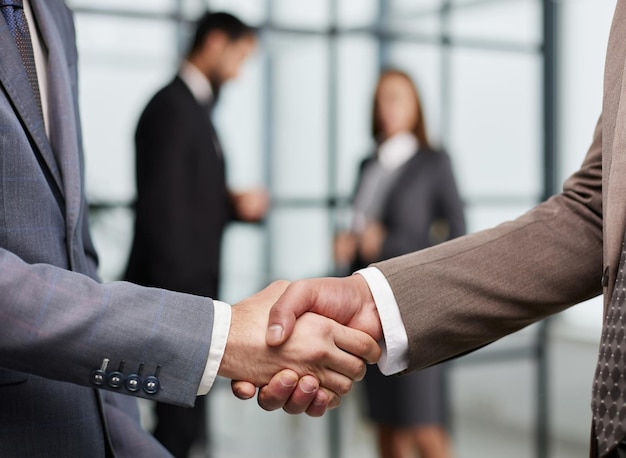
302,344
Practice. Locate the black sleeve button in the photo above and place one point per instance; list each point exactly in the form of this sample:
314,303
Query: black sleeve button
98,376
151,385
115,379
133,383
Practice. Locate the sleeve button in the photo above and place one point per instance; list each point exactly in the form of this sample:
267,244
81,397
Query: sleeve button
151,385
133,383
115,379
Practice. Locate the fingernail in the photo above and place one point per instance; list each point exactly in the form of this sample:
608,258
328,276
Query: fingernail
275,333
286,381
308,387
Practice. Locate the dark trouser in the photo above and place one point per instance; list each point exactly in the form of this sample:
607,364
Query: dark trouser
178,428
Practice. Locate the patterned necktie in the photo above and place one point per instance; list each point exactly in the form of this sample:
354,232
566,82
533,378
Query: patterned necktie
609,387
13,12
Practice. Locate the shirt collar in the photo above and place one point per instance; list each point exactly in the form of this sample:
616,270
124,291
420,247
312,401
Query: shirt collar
396,150
196,81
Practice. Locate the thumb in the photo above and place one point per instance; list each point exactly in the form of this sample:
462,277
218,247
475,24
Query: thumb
294,302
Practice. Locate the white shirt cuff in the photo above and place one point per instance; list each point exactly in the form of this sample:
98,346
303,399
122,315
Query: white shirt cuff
221,326
395,343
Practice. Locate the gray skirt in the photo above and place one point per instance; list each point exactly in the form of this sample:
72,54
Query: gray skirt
418,398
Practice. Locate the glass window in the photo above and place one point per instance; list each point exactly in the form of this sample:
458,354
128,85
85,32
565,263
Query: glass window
300,243
122,62
112,232
253,12
299,69
118,74
581,77
495,123
482,214
417,28
357,13
239,119
356,77
516,21
134,6
302,13
401,7
243,268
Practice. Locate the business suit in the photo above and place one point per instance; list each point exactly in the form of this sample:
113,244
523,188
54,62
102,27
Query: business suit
478,288
182,207
58,323
183,203
423,191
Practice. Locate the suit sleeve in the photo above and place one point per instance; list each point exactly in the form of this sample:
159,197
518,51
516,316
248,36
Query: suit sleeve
465,293
62,325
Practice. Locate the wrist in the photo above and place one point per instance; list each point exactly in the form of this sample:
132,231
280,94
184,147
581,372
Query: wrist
371,319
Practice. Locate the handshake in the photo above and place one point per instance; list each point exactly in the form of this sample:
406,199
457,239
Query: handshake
302,344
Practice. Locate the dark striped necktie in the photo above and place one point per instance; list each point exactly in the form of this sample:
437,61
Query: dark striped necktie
13,12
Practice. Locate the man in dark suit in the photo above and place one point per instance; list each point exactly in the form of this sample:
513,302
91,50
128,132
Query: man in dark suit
71,346
183,202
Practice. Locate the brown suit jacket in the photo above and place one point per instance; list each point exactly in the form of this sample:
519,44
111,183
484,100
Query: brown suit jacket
468,292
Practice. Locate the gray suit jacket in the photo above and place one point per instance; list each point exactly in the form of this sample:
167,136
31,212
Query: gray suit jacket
468,292
57,322
423,192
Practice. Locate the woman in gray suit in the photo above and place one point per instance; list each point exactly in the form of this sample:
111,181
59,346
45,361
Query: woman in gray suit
406,199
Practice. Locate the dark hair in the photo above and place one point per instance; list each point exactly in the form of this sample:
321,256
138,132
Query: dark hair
226,23
419,129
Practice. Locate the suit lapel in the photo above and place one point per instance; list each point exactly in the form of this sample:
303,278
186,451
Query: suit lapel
614,141
15,82
64,135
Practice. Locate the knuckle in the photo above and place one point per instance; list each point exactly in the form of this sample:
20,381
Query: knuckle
334,402
318,354
293,409
268,402
344,387
315,411
280,283
360,370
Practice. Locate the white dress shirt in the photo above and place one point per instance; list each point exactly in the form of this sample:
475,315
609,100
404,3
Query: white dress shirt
395,343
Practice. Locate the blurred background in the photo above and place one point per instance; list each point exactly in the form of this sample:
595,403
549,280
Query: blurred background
512,90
